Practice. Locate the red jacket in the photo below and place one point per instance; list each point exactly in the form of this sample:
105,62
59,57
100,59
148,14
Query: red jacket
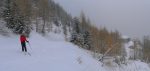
22,38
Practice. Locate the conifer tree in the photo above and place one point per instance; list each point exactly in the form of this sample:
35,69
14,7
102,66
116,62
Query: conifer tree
7,14
13,17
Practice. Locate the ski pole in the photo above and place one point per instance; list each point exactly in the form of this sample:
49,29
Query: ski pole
30,48
29,45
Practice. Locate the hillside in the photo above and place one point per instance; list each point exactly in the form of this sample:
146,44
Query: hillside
60,42
46,55
53,53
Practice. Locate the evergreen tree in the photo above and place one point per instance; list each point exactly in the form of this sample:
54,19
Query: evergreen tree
7,14
81,35
14,19
75,32
87,40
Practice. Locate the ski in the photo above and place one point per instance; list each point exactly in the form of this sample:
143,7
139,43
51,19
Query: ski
27,53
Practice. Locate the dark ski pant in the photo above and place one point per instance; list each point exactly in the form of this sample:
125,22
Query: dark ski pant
23,44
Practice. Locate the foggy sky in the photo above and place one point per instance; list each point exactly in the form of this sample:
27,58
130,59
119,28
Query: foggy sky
130,17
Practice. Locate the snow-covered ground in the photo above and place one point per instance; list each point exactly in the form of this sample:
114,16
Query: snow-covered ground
51,54
129,51
46,55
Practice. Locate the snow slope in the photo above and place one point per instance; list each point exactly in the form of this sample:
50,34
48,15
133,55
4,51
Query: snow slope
52,54
46,55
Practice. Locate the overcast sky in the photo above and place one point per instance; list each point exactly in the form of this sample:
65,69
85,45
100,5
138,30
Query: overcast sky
130,17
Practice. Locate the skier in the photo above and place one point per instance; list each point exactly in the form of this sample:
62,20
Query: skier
23,41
